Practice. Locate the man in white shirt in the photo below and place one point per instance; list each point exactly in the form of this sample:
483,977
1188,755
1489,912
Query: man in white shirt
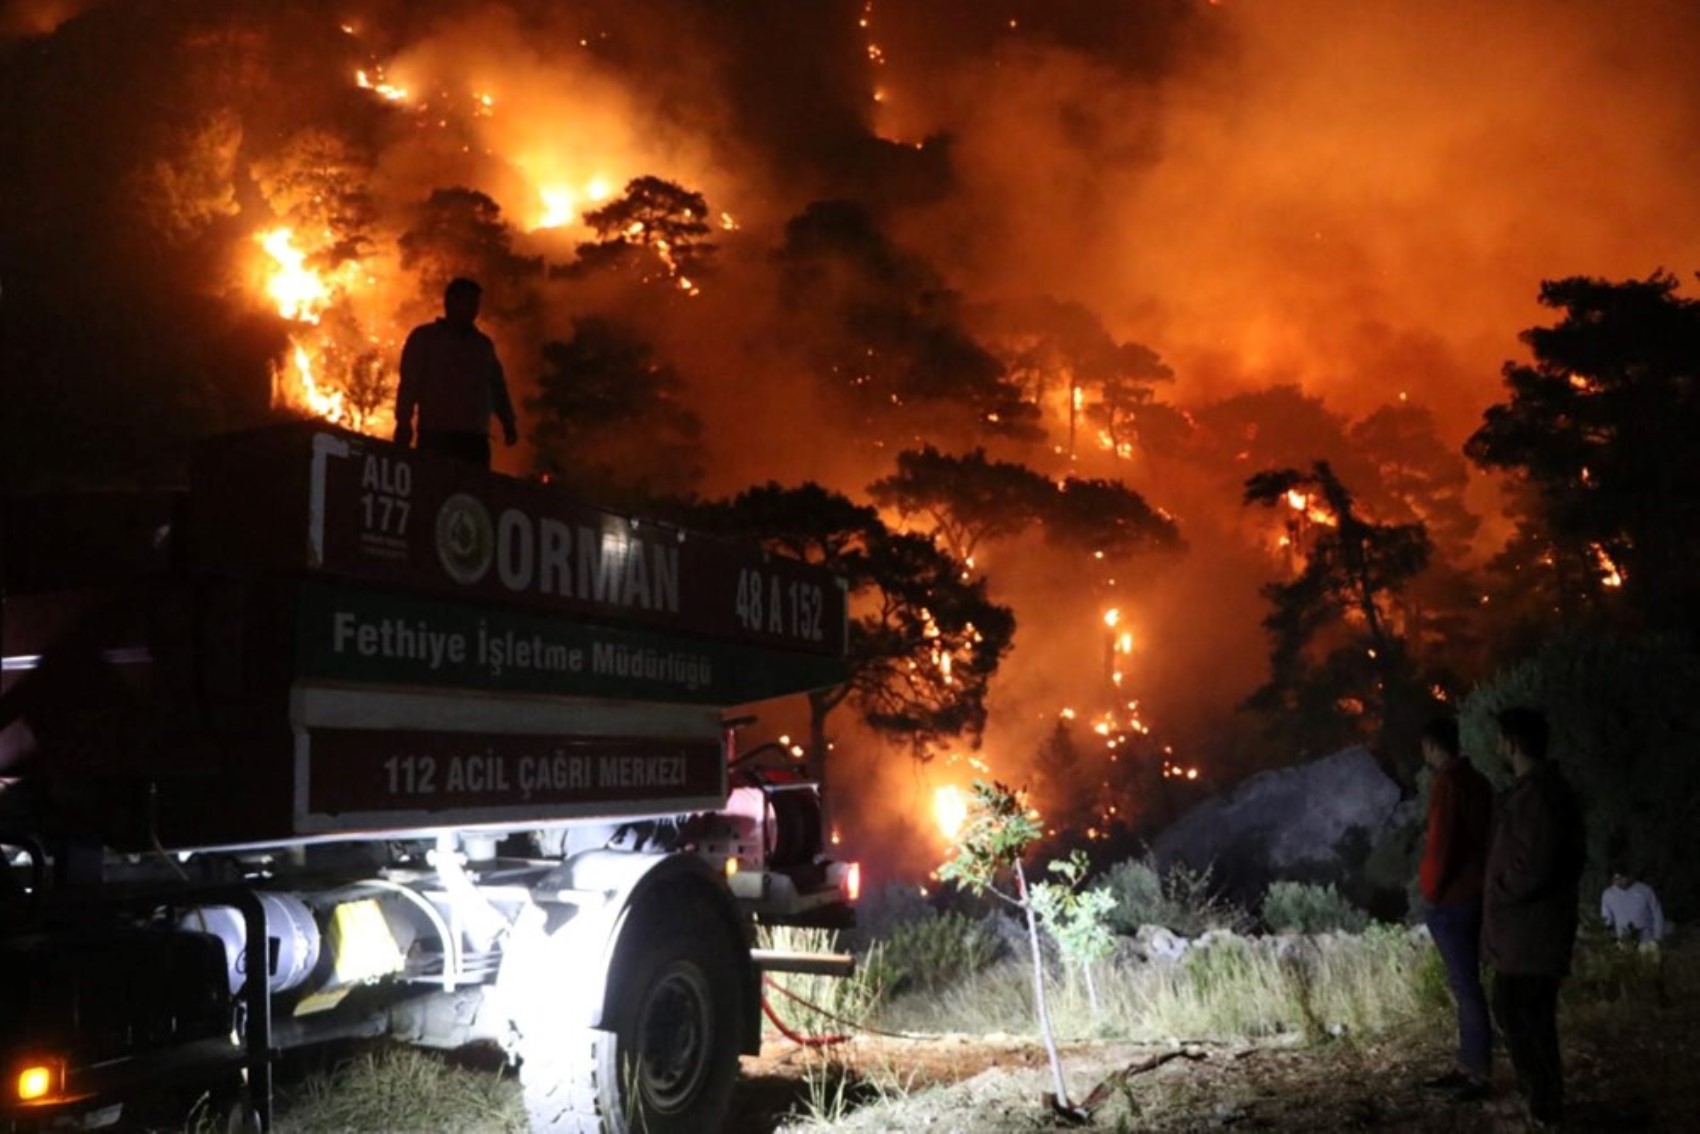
1630,907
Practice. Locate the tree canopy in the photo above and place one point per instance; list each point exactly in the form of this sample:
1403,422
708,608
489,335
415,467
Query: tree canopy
885,335
654,221
609,421
1600,422
968,499
924,640
1336,652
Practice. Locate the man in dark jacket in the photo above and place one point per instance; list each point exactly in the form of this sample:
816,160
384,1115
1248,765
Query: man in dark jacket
1531,908
1460,816
450,374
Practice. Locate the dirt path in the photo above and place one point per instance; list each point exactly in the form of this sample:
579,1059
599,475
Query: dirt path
1643,1078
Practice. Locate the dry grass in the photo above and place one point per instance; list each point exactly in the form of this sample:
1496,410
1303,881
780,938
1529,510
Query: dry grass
1233,989
402,1090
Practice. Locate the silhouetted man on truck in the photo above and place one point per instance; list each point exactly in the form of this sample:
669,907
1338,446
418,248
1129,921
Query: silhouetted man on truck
450,374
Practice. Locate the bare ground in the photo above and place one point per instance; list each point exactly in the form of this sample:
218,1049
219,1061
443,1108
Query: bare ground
1633,1071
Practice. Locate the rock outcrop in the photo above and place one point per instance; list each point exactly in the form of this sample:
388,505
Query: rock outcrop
1314,822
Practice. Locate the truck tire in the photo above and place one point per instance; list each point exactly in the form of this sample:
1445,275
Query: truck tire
668,1057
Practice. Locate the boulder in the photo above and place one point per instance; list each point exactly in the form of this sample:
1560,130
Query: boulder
1313,822
1158,944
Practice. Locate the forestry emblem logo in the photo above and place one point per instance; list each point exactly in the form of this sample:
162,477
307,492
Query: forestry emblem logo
466,539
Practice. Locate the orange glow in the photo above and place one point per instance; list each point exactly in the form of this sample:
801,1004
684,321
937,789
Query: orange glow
950,810
561,203
853,882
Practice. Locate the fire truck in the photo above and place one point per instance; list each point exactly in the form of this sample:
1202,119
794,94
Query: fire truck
348,740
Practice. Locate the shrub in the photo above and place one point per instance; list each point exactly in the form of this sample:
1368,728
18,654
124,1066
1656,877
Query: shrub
1297,907
937,951
882,911
1180,899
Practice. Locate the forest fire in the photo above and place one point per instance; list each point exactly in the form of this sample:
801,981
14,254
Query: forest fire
301,296
857,308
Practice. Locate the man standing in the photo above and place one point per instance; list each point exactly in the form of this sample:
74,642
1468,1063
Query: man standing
1531,909
1460,815
450,374
1631,910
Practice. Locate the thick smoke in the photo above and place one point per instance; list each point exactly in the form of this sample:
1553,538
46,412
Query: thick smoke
1310,209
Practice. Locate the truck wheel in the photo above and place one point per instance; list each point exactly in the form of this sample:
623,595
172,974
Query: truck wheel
669,1056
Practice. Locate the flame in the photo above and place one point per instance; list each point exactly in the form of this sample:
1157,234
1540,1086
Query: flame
561,201
1611,575
950,810
376,83
557,207
301,295
306,389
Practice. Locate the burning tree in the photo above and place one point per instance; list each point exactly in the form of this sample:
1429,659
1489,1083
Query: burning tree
924,640
319,181
1339,667
654,222
1598,424
1127,394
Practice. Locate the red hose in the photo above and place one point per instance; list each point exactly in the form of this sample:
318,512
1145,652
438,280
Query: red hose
795,1037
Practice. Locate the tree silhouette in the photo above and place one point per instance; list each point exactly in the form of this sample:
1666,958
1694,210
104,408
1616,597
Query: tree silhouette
1064,360
1598,423
1127,393
968,499
609,421
885,335
1107,516
461,232
924,641
1339,667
